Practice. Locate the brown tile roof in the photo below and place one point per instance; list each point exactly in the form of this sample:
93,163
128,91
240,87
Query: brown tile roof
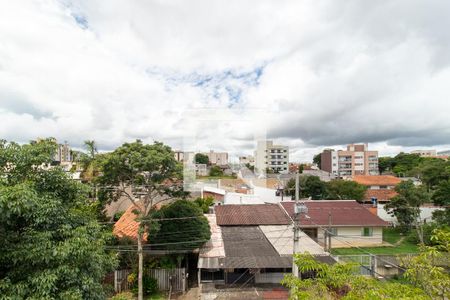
251,214
343,213
381,194
376,179
127,226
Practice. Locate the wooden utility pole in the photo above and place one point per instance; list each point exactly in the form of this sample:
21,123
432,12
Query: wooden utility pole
299,208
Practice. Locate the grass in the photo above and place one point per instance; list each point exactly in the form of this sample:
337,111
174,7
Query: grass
157,296
391,236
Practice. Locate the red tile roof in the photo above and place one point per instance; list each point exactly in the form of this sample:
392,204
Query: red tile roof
376,179
251,214
343,213
127,226
381,194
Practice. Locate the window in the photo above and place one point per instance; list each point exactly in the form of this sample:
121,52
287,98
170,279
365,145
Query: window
367,231
333,231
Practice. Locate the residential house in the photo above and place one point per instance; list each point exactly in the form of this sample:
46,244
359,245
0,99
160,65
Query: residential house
380,188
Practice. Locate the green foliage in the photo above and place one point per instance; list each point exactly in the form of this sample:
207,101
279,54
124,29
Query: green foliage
204,203
403,163
52,246
150,284
432,171
423,270
201,158
312,186
317,159
346,190
189,229
250,167
338,281
406,205
215,171
442,217
123,296
385,164
441,195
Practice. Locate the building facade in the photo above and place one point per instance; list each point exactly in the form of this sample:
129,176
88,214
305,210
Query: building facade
270,156
63,153
217,158
425,153
356,160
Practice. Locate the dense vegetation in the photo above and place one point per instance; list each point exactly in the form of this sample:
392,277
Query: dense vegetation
51,244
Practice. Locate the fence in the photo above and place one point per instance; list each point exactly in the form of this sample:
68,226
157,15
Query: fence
165,277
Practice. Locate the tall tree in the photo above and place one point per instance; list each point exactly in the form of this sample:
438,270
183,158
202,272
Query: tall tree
201,158
406,205
184,216
346,190
312,186
51,244
317,159
145,175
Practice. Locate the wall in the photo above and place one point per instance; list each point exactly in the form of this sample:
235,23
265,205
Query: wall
269,277
351,236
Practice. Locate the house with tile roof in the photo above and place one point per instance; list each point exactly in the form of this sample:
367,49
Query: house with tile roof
379,187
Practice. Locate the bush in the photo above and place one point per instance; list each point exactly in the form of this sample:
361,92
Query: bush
123,296
149,284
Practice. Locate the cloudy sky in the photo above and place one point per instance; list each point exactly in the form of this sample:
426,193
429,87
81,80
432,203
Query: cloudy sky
221,74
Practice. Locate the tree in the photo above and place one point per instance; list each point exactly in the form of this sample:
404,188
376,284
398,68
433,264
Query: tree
204,203
51,244
180,225
403,163
312,186
441,195
338,281
145,175
423,270
317,159
346,190
432,171
385,164
201,158
215,171
406,205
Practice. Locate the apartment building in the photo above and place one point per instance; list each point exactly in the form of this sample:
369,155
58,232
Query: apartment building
63,153
217,158
356,160
183,156
243,160
270,156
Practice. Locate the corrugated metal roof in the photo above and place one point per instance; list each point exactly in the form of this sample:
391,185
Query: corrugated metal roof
247,247
282,239
252,214
343,213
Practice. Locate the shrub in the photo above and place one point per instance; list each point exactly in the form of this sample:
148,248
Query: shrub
149,284
123,296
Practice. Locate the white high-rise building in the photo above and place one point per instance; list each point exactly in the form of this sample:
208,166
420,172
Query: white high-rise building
270,156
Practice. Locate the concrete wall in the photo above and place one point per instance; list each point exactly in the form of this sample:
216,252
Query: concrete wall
269,277
352,236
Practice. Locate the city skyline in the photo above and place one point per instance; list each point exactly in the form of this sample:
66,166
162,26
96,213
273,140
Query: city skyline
308,75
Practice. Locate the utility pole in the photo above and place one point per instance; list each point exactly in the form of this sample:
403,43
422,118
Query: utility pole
299,208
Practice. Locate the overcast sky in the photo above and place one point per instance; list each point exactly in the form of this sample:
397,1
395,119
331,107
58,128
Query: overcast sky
221,74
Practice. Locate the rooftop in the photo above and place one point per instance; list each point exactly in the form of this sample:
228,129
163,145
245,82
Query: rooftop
251,214
376,179
340,212
380,194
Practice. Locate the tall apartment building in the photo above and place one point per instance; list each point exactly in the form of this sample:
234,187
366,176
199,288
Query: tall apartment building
275,157
63,153
217,158
356,160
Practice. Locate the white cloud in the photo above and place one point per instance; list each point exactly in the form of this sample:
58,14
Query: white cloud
311,73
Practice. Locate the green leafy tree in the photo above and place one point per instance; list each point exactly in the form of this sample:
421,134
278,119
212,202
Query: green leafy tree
424,271
180,225
346,190
432,171
204,203
51,244
201,158
404,163
441,195
312,186
215,171
338,281
406,205
145,175
317,159
385,164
